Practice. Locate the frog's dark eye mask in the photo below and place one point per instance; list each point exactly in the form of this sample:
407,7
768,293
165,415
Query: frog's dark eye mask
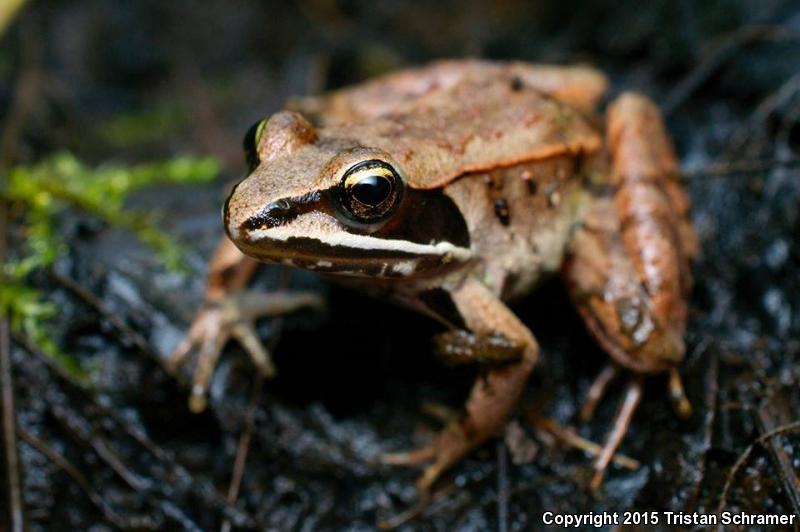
369,199
367,196
366,222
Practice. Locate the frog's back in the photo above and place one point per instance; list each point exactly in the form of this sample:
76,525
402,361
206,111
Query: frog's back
509,156
474,126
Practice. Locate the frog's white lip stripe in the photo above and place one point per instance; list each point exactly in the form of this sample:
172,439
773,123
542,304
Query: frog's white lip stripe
353,241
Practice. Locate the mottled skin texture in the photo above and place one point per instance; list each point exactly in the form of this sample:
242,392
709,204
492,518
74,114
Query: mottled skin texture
507,178
579,87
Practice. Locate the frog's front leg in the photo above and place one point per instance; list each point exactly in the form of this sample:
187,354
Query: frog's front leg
629,267
494,394
229,312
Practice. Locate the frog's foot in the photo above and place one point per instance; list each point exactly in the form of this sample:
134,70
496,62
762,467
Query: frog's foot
598,389
452,444
494,394
493,397
625,412
233,317
619,427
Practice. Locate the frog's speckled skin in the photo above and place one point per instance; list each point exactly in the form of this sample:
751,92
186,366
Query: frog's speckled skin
507,177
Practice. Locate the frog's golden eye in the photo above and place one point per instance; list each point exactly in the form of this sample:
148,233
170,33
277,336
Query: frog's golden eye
250,143
370,191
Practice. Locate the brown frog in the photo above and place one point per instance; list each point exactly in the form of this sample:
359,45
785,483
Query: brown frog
453,189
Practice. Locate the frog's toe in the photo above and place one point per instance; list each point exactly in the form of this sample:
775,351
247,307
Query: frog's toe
619,427
677,395
233,318
450,446
627,407
246,335
597,391
207,336
207,324
414,457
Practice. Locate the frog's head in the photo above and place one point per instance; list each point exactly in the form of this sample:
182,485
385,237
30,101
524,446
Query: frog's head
331,204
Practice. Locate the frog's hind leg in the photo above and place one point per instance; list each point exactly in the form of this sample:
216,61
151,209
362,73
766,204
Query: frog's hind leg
494,394
628,271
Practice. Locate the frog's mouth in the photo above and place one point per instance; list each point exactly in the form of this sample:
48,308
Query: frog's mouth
352,255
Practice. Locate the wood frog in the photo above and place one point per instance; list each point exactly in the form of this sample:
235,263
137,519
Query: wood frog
453,189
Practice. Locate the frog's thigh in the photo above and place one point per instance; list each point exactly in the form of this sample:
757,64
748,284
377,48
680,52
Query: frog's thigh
494,394
628,269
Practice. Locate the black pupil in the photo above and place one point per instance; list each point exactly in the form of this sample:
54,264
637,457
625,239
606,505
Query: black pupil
372,190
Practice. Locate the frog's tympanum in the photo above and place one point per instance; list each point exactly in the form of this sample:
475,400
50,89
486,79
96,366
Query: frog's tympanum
453,189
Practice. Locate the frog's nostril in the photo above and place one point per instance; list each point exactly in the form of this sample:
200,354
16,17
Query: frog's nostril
273,215
280,207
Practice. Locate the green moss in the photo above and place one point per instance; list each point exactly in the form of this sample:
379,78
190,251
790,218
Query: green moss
158,123
41,192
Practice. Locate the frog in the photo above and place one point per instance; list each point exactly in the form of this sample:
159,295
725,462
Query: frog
454,189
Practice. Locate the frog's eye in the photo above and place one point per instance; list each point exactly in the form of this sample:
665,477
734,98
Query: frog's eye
250,144
370,191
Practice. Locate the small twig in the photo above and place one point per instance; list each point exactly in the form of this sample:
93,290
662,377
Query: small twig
790,118
502,487
9,437
769,417
727,168
726,51
775,100
13,475
113,318
26,92
74,473
746,454
247,433
48,361
78,429
202,489
242,450
756,122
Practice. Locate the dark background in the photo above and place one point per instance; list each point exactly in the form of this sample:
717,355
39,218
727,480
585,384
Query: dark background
190,77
